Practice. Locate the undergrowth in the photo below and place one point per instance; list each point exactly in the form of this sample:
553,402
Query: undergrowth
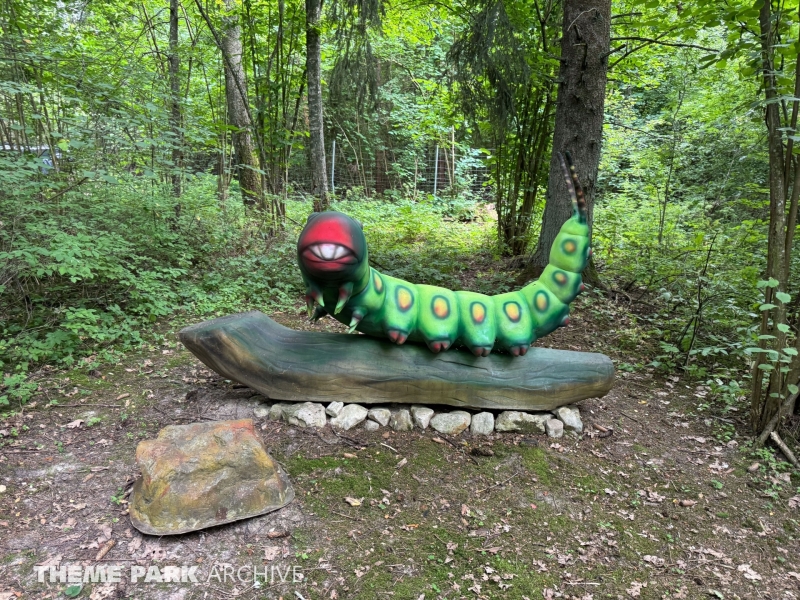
89,273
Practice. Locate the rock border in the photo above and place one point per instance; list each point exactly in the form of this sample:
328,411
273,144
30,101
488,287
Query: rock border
418,417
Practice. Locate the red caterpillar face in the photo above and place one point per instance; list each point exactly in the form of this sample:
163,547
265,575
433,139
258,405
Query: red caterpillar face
331,244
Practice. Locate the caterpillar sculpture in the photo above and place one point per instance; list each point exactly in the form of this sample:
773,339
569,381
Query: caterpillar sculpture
333,258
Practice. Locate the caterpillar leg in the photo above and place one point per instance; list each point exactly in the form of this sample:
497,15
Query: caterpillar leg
437,317
319,312
399,316
478,323
514,323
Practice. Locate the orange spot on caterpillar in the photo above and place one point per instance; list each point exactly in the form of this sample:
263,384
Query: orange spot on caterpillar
441,307
512,311
377,283
569,247
404,298
478,312
560,277
541,301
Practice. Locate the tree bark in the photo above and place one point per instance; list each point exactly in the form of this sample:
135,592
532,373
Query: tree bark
246,160
585,43
175,103
316,141
763,408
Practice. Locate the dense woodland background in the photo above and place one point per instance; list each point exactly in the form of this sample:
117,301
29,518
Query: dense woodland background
159,158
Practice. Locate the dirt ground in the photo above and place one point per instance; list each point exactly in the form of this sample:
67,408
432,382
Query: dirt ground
655,500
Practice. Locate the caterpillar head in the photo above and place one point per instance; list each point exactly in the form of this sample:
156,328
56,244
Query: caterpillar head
332,247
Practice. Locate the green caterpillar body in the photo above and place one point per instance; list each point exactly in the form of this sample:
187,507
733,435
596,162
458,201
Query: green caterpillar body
333,259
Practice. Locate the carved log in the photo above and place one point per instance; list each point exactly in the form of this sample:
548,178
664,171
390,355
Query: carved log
284,364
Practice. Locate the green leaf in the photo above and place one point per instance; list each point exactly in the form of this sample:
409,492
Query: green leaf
73,591
766,336
767,306
793,389
790,351
783,327
771,282
783,297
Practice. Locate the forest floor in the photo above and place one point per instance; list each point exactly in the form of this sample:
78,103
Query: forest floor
667,502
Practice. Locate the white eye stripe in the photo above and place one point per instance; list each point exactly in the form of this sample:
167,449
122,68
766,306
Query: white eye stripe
329,251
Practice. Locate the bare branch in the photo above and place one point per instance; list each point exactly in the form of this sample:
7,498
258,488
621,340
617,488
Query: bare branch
635,38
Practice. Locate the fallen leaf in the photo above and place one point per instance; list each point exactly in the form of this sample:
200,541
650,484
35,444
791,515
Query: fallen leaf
754,467
280,533
794,502
353,501
748,573
438,440
360,571
271,552
687,502
154,552
122,396
636,589
653,560
401,464
74,424
348,455
104,591
105,549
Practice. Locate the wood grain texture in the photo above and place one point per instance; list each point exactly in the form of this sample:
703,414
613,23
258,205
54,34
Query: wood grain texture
284,364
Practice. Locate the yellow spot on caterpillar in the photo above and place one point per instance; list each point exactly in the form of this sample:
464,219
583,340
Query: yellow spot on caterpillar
560,277
512,311
404,299
441,307
541,301
569,247
478,312
377,283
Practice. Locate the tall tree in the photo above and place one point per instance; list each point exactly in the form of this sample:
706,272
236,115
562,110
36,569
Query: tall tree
238,107
316,125
175,101
582,78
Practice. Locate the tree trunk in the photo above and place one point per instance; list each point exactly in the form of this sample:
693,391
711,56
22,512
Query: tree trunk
579,113
763,408
316,141
246,161
175,103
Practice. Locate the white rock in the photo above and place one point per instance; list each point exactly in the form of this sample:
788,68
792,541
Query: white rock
401,420
350,416
276,412
513,420
571,417
371,425
421,415
307,414
482,424
451,423
334,408
380,415
554,428
261,411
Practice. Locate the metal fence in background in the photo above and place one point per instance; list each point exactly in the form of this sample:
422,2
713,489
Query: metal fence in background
439,170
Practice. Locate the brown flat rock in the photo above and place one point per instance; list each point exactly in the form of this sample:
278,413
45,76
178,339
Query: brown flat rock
205,474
